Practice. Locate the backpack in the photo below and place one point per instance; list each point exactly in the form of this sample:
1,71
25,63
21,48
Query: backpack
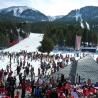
37,92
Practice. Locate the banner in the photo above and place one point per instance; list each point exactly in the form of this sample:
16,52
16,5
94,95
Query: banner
13,42
78,42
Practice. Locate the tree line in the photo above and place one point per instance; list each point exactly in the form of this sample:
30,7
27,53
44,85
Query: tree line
65,35
58,33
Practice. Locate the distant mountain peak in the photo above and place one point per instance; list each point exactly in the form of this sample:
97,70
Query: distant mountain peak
17,10
23,12
86,16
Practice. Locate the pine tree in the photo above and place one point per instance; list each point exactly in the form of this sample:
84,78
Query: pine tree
46,45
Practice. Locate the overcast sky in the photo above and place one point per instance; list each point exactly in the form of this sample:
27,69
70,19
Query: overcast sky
50,7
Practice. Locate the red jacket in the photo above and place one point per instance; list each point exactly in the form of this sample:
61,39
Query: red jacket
48,93
24,85
17,95
86,92
61,95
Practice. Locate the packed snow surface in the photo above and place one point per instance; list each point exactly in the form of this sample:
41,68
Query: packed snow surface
29,44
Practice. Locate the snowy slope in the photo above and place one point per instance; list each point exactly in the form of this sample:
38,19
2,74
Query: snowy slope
29,44
52,18
88,27
82,25
17,10
22,13
78,15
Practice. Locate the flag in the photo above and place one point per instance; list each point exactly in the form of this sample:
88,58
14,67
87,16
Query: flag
78,42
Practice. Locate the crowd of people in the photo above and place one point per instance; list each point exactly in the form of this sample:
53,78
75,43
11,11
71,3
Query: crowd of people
24,83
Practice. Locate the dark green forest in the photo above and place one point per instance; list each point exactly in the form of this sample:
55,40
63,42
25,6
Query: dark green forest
60,33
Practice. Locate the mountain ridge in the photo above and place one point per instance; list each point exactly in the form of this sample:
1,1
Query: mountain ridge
86,12
87,15
23,12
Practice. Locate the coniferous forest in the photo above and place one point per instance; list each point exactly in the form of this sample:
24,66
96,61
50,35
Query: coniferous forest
60,33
